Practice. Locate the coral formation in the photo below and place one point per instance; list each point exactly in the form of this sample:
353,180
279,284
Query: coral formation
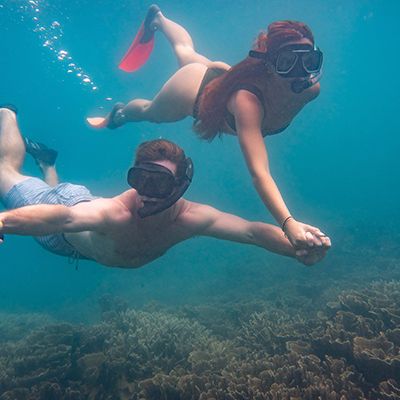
349,349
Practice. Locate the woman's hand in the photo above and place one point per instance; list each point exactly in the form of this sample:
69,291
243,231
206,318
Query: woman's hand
303,236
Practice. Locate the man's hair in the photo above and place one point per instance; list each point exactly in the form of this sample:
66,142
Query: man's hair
159,150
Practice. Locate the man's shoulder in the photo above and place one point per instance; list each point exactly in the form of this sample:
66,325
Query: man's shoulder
117,207
195,215
185,208
127,198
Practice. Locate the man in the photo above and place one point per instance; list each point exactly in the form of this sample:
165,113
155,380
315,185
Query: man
128,230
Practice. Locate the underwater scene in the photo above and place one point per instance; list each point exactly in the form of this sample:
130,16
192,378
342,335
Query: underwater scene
240,310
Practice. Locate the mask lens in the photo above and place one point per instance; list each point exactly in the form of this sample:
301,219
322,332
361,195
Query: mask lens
285,61
312,61
152,183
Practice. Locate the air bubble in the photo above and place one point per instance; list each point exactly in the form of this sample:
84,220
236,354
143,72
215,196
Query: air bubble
50,33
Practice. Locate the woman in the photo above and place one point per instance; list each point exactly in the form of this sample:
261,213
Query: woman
258,97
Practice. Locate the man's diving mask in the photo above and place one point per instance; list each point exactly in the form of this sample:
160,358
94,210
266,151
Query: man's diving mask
295,61
156,181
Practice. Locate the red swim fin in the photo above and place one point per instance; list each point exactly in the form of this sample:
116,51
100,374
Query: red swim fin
138,53
142,45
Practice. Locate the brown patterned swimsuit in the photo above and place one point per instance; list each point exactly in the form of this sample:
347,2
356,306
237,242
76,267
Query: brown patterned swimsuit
213,73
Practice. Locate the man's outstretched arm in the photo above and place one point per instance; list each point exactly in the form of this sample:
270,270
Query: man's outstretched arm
209,221
45,219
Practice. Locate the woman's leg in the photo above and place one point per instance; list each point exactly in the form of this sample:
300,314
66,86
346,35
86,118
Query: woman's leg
180,40
174,102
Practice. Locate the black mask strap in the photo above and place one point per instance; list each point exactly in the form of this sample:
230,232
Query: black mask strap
258,54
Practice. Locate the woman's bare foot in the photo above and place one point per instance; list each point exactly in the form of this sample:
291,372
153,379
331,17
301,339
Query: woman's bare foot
113,120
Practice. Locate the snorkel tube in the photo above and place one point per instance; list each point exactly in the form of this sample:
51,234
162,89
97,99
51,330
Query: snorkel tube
299,85
152,208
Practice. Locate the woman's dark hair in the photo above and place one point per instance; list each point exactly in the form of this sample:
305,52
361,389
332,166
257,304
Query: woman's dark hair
213,101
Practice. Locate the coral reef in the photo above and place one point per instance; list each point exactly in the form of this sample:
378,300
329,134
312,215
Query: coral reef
347,349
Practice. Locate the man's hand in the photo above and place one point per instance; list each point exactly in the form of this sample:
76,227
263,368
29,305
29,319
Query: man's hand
311,256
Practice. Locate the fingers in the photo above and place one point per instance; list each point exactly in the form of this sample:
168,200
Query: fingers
315,231
320,239
307,237
326,241
313,240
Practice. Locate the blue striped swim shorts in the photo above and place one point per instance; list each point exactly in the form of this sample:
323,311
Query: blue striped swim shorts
33,191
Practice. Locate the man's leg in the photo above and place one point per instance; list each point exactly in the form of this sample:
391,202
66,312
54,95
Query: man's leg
12,151
45,158
50,175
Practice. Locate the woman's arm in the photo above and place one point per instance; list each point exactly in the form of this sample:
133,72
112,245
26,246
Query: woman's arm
249,115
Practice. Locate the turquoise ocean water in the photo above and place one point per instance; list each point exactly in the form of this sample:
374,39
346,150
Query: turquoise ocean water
337,165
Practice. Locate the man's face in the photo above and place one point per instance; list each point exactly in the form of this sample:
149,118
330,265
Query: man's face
145,199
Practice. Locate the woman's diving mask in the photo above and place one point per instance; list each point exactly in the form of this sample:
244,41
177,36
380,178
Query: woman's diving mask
295,61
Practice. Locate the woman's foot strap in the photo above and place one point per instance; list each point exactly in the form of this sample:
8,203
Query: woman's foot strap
148,30
115,118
